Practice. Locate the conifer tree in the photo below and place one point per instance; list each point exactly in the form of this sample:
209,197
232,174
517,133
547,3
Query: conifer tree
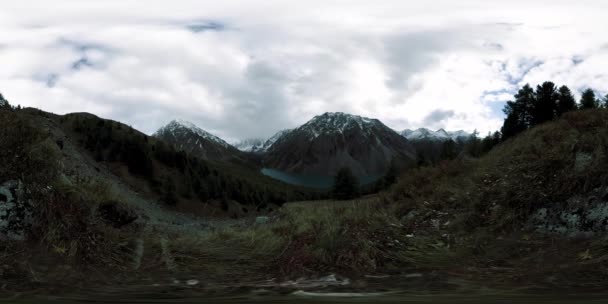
588,100
448,150
346,185
566,101
605,101
545,103
519,112
4,104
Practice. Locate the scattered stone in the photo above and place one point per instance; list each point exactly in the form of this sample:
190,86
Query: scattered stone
409,217
138,253
380,276
302,293
260,220
166,254
582,161
579,217
330,280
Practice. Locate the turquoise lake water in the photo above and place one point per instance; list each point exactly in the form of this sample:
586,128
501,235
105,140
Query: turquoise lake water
310,180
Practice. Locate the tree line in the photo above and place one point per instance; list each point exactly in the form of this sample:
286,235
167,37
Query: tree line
532,107
174,174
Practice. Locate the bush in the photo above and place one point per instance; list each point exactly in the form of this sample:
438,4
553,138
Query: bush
346,185
26,153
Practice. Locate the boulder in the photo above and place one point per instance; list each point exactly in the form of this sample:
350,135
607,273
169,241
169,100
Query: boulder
580,215
582,161
260,220
15,211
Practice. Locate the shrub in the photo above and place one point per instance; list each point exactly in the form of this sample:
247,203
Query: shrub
345,185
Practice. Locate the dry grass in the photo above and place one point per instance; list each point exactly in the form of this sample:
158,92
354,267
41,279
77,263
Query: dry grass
469,220
304,238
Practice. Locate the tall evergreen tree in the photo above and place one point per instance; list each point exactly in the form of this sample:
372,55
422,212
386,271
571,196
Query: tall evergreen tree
566,101
346,185
4,103
605,101
391,175
545,103
519,112
524,101
588,100
448,150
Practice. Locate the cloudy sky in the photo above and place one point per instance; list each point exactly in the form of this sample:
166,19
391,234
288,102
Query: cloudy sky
248,68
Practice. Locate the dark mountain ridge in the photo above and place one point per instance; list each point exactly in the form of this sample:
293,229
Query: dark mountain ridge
332,141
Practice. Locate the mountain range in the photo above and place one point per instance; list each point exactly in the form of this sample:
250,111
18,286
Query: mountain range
439,135
321,146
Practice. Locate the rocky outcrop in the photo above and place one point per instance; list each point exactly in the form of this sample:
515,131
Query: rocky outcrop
580,216
15,211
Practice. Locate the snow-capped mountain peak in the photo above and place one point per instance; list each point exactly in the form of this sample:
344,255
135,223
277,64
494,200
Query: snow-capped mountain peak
260,145
250,144
441,134
337,122
178,125
332,141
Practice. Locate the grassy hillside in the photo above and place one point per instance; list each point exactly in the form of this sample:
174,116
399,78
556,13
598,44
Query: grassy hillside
468,220
471,219
173,175
541,167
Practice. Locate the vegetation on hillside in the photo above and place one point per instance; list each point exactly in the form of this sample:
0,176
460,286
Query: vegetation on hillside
466,217
528,172
63,227
346,185
548,102
174,174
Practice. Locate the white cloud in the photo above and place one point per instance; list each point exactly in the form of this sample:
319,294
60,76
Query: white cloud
248,68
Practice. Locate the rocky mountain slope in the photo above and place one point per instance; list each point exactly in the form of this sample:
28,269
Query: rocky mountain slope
186,136
331,141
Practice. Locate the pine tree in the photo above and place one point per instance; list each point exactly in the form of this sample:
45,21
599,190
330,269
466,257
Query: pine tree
566,101
346,185
448,150
525,99
512,125
519,112
390,177
605,101
545,103
4,104
588,100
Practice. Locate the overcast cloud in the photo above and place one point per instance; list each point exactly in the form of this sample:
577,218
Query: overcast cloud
243,69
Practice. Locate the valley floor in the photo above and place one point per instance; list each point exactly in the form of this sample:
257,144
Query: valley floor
306,250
